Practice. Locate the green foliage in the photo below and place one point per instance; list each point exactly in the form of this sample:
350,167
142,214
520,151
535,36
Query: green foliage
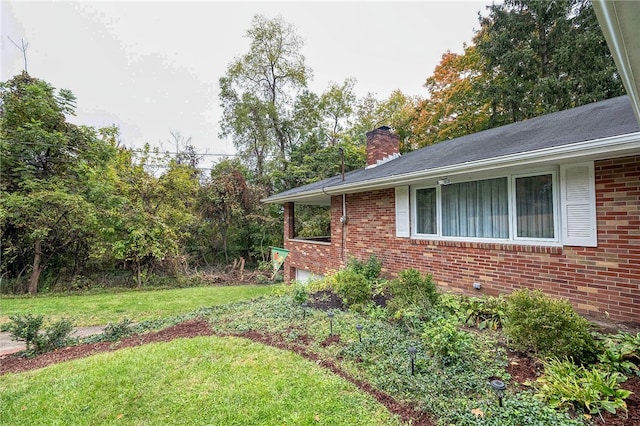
446,343
524,47
55,336
548,327
28,328
565,384
298,292
118,330
621,352
369,269
353,288
520,409
25,328
484,312
411,290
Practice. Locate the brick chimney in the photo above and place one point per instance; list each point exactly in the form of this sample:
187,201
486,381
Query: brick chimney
382,146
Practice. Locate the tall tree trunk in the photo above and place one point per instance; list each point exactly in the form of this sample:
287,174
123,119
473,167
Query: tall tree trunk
138,273
36,268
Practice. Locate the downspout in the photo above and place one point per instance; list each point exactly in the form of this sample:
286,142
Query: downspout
343,218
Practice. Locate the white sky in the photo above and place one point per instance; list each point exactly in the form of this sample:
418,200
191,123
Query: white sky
151,67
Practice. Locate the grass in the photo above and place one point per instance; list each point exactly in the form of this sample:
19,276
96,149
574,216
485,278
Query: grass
100,309
205,380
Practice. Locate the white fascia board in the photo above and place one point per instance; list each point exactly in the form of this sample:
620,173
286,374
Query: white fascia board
620,24
611,147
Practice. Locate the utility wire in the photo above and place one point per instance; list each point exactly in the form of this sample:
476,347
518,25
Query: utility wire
136,150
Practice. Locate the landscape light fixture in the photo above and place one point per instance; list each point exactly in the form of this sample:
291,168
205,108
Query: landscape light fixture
499,388
304,310
412,357
330,316
359,330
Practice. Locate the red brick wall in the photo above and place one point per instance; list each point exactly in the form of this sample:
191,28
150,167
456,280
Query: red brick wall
603,280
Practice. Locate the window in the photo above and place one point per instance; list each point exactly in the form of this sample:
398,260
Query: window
516,208
426,211
478,209
534,207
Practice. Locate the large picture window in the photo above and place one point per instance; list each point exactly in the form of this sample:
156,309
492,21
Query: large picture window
516,207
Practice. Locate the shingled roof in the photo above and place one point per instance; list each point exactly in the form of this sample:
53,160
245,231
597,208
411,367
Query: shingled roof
576,126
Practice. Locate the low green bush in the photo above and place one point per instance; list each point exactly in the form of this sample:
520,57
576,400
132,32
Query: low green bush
565,384
370,269
28,328
548,327
411,289
353,288
116,331
446,343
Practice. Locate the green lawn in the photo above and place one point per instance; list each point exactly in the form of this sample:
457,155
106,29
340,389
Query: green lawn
205,380
99,309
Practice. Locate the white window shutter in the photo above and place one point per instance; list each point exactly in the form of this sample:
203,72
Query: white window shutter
578,204
402,212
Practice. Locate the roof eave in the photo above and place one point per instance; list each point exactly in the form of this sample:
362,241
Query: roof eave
620,24
609,147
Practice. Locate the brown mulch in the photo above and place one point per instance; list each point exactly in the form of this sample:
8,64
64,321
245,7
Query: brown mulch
15,364
521,368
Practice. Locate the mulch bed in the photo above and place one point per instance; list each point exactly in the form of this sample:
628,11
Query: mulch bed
521,368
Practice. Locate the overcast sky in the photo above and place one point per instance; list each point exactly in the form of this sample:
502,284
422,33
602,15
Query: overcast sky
151,67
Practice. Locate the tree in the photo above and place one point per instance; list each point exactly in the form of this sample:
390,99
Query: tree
185,152
336,106
456,106
225,201
45,207
397,111
257,91
534,52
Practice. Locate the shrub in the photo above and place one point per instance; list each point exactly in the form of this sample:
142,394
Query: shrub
548,327
353,288
55,336
565,384
411,289
446,343
116,331
299,292
27,328
370,269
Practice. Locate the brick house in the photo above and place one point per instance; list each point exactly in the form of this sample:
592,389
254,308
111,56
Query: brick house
551,203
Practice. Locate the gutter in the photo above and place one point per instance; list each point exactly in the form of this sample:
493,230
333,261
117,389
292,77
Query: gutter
608,147
619,22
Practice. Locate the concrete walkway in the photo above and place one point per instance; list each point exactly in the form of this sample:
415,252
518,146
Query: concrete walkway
8,346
